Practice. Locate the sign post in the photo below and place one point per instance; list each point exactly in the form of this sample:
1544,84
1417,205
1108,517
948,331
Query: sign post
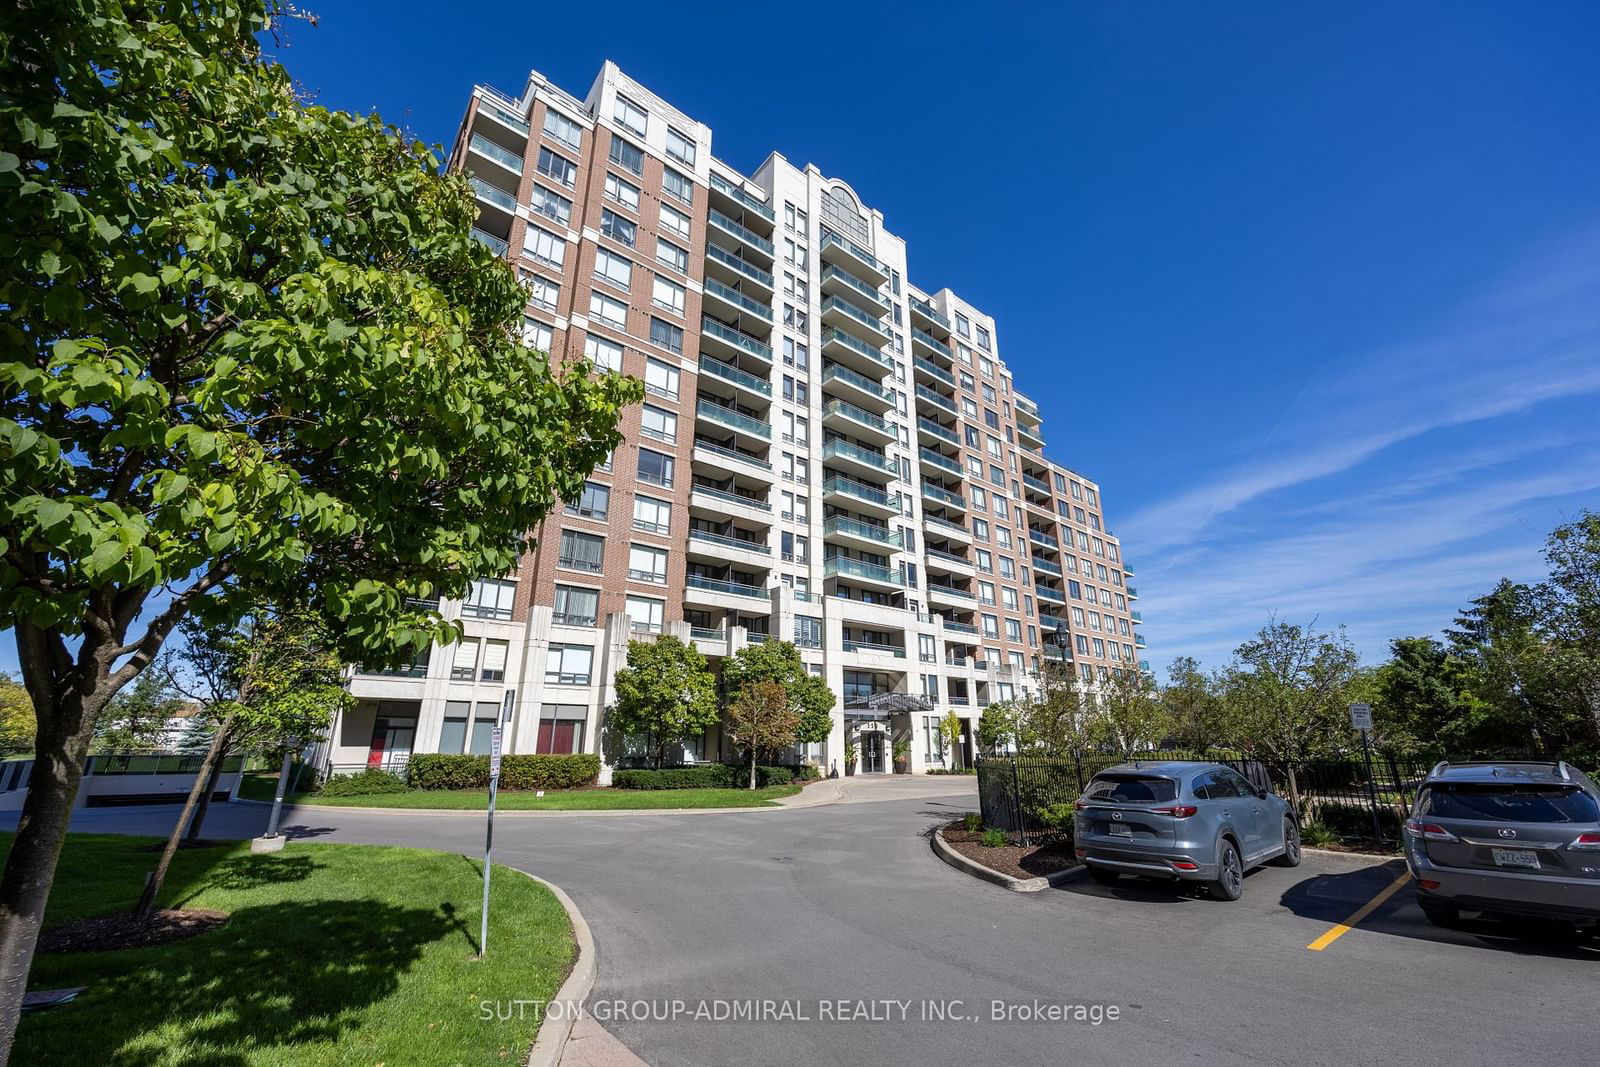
1361,719
488,841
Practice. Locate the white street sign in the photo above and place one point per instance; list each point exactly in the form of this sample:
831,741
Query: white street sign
494,753
1361,716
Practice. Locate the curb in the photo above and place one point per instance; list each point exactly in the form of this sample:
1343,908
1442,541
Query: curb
551,1041
1017,885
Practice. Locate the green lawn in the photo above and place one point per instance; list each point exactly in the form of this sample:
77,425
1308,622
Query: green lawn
334,954
261,787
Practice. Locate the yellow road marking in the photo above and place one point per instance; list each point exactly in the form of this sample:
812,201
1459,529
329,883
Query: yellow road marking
1340,929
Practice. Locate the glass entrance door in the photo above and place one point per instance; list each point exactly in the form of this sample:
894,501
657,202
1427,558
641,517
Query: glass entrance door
872,753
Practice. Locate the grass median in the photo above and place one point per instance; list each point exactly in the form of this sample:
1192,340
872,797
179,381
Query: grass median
332,954
598,799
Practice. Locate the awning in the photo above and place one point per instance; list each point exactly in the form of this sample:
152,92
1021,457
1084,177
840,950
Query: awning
879,706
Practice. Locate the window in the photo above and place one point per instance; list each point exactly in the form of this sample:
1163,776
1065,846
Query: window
464,666
983,343
561,728
544,246
453,738
614,269
494,661
581,551
557,167
568,664
655,468
671,255
679,147
651,515
985,559
807,632
666,335
1008,598
624,193
490,598
969,407
1008,569
986,592
991,626
595,503
618,228
627,156
646,563
646,614
608,309
536,334
980,529
658,424
667,294
543,293
1013,631
630,116
927,649
677,185
558,127
674,222
602,353
576,606
963,325
660,379
550,205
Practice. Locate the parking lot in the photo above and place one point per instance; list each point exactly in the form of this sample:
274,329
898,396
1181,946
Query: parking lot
849,903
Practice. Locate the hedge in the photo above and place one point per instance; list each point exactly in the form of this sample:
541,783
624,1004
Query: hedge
369,782
432,770
706,776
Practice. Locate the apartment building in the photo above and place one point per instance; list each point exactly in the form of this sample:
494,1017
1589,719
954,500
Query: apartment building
826,454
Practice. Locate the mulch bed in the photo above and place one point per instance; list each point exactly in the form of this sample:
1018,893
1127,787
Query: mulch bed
109,932
1019,861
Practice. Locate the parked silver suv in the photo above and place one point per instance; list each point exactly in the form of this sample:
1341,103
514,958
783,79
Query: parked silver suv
1198,822
1508,839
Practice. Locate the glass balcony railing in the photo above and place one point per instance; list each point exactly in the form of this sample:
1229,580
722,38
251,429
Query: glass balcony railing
928,311
879,534
939,460
960,627
503,156
494,244
873,646
1138,641
948,557
1038,484
861,415
1041,538
845,567
1044,592
1136,616
748,202
855,344
938,525
929,367
729,417
829,238
943,434
735,262
498,197
950,591
955,500
735,297
727,372
937,399
730,542
737,229
505,116
732,498
835,372
846,450
719,585
711,326
1133,594
1044,566
924,337
870,293
859,490
834,303
733,454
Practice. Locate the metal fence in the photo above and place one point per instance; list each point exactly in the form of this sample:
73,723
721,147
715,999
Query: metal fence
1030,797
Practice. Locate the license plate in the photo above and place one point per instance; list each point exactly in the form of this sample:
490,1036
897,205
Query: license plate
1119,829
1515,857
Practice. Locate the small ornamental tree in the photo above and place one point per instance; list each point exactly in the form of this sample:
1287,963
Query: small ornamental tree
950,731
249,352
779,662
762,718
665,694
1128,714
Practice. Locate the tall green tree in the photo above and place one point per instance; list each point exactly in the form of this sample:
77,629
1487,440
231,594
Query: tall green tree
1513,675
664,694
1421,698
1128,713
779,662
1194,705
249,351
137,717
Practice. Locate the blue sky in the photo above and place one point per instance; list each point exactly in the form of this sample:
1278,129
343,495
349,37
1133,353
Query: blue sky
1313,291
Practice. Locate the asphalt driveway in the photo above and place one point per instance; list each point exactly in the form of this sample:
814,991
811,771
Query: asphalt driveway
846,904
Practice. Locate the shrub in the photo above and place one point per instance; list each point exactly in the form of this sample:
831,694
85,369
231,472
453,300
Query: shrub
1347,820
994,838
972,821
702,776
434,770
369,782
1056,817
1317,835
946,770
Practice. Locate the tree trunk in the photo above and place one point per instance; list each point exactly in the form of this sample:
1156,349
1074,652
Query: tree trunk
65,729
152,887
1294,796
752,766
205,798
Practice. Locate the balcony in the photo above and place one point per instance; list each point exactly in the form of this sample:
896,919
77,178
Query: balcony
503,115
488,194
944,403
738,199
482,146
837,311
1038,485
1045,593
852,257
857,387
874,647
843,348
733,377
858,496
1044,566
730,460
861,571
949,562
721,504
1133,594
731,342
848,418
944,496
842,283
742,235
843,454
734,420
719,585
707,545
928,313
927,427
493,243
932,370
951,626
937,527
863,534
933,458
930,343
1039,537
1024,405
1030,438
1138,641
734,303
741,270
949,594
1137,617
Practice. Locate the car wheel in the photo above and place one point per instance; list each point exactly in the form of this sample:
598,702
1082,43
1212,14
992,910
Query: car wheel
1440,914
1104,876
1291,844
1229,883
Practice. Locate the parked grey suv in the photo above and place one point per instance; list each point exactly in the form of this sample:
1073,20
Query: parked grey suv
1196,822
1507,839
